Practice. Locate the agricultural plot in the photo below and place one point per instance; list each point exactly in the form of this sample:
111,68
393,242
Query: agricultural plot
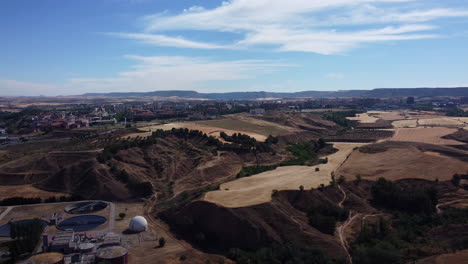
387,115
248,125
209,130
409,123
401,163
258,188
431,135
364,118
441,121
361,135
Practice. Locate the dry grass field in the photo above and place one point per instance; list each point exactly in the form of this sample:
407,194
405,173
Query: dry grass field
130,210
364,118
431,135
401,163
459,257
28,191
209,130
248,124
387,115
257,189
409,123
441,121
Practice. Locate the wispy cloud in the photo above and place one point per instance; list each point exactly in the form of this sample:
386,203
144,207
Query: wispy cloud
166,41
177,73
152,73
298,25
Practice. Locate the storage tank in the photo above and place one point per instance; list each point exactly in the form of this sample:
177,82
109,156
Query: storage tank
138,224
46,258
113,255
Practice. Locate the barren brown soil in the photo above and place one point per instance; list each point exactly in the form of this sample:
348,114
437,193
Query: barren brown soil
257,189
400,163
459,257
28,191
426,135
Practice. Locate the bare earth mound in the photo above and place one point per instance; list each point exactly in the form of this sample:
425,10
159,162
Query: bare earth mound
401,162
257,189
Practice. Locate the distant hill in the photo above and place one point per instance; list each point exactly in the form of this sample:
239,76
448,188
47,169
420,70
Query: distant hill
380,92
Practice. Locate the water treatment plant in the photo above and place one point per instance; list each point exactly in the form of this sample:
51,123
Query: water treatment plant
84,232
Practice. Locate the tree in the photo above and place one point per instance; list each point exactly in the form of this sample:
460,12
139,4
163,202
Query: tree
274,192
162,242
122,215
456,179
301,188
410,100
358,178
317,169
341,179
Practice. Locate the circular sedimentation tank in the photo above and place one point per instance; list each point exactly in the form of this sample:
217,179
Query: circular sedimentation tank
86,207
82,222
47,258
114,255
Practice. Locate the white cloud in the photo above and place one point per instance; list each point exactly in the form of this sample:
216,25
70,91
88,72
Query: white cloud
152,74
176,73
299,25
166,41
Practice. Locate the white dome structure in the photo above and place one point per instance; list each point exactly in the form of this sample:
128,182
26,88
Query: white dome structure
138,224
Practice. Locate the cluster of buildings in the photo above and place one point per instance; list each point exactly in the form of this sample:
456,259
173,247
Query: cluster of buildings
83,248
91,247
67,120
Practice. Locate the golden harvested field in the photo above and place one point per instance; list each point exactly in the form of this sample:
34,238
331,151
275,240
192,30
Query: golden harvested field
364,118
405,123
247,124
209,130
387,115
257,189
441,121
401,163
431,135
28,191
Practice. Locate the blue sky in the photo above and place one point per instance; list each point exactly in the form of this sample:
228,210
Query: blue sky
65,47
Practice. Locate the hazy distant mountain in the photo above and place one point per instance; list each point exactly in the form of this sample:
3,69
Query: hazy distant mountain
381,92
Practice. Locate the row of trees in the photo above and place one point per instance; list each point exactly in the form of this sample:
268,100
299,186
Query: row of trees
36,200
412,200
340,117
26,235
282,253
304,152
324,216
137,188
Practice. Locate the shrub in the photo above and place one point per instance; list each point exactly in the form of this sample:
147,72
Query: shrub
162,242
